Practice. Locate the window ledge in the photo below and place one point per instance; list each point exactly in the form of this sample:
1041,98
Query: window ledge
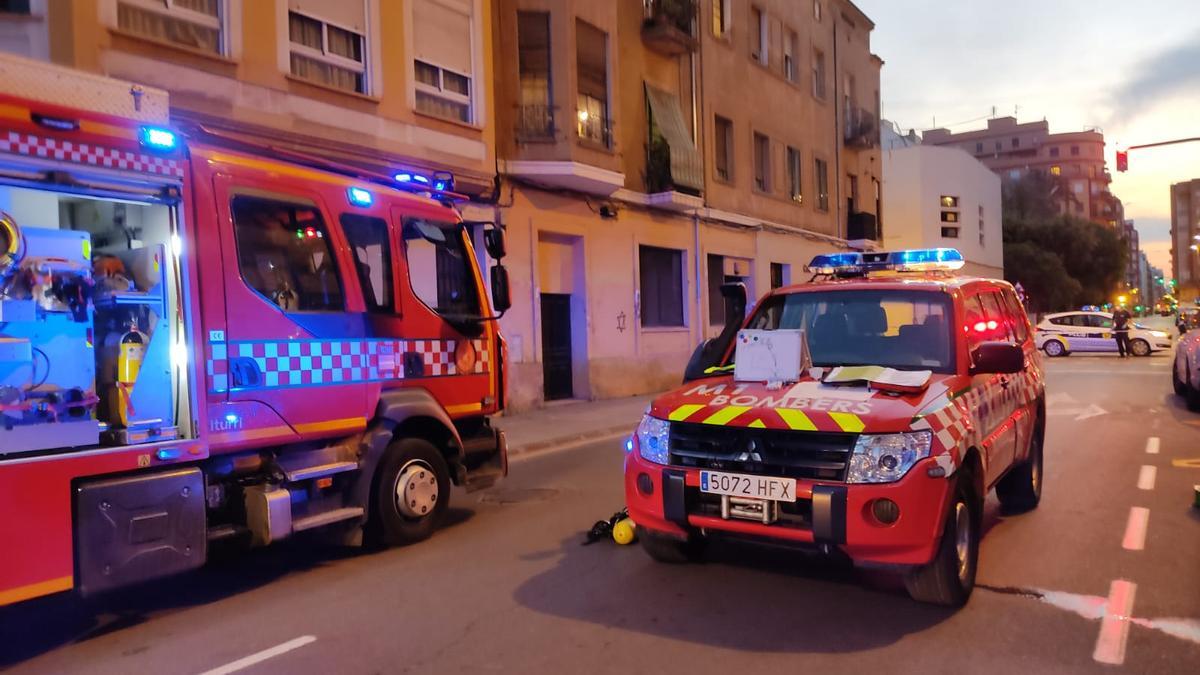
666,329
448,120
592,145
173,46
334,90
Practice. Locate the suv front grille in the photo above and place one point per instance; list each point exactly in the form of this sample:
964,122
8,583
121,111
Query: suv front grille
768,452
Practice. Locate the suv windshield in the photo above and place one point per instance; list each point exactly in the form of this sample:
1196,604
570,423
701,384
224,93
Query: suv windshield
897,329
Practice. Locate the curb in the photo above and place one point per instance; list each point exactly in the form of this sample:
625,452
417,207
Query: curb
573,439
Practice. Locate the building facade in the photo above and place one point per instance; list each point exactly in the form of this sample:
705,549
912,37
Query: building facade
1185,238
386,85
652,150
1075,159
935,196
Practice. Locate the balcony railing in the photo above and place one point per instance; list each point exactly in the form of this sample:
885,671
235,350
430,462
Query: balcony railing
594,128
535,122
668,26
860,129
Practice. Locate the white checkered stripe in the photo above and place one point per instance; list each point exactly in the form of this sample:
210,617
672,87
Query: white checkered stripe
300,363
84,153
950,424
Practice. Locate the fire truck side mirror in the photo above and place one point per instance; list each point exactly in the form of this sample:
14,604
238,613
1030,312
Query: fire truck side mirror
501,298
494,242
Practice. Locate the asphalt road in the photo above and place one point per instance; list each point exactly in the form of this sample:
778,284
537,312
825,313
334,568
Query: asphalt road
507,587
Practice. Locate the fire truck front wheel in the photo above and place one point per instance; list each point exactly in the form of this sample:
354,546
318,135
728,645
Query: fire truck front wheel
413,492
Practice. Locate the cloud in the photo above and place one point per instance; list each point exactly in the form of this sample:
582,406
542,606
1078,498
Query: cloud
1172,71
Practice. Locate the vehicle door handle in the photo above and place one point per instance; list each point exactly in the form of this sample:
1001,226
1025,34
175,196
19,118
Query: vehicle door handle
1004,382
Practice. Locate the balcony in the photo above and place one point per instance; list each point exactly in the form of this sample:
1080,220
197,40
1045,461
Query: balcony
668,26
535,122
860,128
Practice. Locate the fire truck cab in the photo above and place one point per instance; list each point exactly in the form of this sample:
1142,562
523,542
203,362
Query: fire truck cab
864,414
205,337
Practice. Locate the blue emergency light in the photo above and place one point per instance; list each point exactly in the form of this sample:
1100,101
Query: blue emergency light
359,197
442,181
910,260
158,139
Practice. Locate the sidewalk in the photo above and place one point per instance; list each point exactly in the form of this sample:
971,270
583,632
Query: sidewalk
570,422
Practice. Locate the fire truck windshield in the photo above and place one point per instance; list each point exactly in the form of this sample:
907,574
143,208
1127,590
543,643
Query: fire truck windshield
892,328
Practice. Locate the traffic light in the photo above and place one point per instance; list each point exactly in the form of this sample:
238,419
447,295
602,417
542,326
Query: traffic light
1122,160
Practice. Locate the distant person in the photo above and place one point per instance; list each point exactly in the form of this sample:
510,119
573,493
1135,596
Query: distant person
1121,319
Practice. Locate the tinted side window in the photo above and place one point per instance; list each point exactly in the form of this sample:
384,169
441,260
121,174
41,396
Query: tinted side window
368,237
283,253
975,319
1097,321
1017,313
1061,321
999,323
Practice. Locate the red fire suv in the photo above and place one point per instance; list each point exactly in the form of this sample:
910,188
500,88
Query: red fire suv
920,391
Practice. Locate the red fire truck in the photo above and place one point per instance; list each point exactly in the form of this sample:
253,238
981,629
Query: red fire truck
206,338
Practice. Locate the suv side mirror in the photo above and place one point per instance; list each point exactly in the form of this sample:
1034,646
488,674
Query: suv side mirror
494,242
997,357
501,296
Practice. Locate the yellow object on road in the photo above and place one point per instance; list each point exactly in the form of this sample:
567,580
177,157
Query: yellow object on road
624,532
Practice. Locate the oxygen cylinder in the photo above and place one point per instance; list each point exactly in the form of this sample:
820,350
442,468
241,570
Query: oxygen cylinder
129,363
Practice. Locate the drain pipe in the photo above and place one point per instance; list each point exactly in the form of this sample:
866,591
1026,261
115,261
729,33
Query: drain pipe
841,223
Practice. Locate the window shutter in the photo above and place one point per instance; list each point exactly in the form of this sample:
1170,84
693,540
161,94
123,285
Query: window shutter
351,14
442,34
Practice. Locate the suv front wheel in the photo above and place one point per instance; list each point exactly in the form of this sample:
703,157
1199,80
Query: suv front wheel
949,578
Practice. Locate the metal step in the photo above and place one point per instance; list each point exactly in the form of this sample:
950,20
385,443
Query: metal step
219,532
319,471
326,518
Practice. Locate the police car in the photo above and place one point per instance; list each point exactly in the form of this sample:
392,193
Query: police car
1090,331
909,394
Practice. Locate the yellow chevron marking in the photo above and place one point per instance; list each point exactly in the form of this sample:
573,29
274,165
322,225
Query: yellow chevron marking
757,424
796,420
726,415
683,412
848,422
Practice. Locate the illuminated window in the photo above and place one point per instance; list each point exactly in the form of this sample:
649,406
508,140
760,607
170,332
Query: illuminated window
949,216
1056,170
949,202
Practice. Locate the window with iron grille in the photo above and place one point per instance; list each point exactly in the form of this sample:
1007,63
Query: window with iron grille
193,24
591,64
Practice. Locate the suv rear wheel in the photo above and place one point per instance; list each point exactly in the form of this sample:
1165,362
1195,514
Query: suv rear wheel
1021,489
949,578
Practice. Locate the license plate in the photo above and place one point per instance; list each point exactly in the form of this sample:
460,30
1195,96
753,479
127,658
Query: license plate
754,487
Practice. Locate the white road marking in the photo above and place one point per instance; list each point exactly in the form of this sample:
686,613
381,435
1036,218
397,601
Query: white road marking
1092,410
1135,529
259,657
1146,477
1093,607
1114,628
1152,444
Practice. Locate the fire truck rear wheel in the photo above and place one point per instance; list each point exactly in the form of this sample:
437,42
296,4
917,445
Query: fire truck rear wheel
949,578
666,549
413,492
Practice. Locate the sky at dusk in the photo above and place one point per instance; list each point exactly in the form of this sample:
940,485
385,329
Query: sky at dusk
1130,68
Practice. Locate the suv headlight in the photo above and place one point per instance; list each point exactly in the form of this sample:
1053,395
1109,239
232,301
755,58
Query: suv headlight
883,458
653,437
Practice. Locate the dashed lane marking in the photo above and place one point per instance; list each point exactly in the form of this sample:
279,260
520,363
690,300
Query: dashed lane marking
1186,463
1152,445
1146,477
1114,627
1135,529
259,657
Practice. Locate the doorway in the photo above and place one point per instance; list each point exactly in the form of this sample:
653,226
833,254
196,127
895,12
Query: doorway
558,382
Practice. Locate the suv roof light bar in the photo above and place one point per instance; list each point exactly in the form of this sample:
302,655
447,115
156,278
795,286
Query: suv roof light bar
856,263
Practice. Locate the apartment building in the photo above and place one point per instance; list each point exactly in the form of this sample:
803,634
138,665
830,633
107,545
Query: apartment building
1185,238
388,85
1076,159
941,196
651,150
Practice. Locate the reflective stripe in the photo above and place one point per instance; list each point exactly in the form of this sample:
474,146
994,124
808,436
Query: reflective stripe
757,424
848,421
683,412
725,415
796,420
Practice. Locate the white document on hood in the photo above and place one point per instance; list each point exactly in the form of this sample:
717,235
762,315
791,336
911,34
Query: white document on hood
768,355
